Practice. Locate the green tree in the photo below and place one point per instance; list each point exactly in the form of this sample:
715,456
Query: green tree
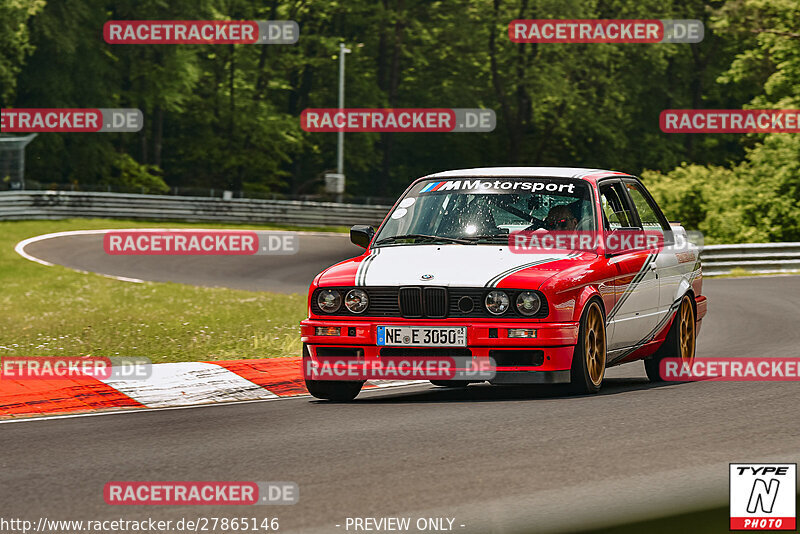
757,198
227,116
15,42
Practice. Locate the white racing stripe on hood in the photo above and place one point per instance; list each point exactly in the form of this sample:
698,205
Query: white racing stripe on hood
364,265
450,265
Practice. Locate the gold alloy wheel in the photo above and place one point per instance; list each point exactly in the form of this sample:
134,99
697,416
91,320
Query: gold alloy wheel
594,344
686,332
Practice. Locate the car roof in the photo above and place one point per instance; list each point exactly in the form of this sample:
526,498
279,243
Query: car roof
551,172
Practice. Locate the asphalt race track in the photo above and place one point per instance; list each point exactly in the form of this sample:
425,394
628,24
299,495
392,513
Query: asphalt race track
495,459
282,274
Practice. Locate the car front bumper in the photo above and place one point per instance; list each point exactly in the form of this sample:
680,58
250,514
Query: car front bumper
555,341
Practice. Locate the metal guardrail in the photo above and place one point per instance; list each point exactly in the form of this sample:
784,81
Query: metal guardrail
20,205
751,257
188,191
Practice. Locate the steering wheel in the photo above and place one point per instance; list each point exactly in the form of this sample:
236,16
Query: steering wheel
536,224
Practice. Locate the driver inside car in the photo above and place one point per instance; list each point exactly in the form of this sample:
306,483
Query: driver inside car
560,217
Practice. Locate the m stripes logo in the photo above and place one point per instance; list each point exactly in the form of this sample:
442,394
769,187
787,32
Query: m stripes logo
433,186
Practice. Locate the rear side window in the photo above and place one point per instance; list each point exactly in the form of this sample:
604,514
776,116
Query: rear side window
616,213
645,207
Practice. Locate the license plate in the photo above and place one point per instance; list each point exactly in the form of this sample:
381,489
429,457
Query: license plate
422,336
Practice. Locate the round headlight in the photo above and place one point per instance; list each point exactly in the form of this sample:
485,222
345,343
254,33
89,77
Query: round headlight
356,301
496,302
329,300
528,303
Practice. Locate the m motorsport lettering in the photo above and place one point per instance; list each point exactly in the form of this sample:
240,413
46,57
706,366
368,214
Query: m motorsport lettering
498,185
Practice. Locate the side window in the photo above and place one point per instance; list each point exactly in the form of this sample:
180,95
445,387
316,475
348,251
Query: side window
615,211
646,210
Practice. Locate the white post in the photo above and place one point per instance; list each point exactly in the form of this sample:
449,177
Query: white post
340,145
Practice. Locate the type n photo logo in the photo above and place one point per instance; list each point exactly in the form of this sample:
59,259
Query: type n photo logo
762,496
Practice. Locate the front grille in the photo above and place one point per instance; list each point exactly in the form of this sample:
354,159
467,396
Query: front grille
418,302
410,301
432,302
382,302
476,296
435,302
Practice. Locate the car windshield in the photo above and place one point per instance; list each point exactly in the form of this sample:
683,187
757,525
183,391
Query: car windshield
484,210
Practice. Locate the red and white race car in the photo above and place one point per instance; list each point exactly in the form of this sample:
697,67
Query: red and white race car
479,264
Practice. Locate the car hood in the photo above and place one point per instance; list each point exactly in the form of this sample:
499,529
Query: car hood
447,265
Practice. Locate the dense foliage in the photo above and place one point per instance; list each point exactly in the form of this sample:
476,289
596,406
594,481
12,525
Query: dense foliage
227,117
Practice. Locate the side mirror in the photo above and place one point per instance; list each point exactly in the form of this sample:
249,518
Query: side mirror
361,235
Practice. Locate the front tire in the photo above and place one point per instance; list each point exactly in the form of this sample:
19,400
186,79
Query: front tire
335,390
680,341
589,358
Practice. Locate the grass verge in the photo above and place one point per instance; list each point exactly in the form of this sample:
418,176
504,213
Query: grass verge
54,311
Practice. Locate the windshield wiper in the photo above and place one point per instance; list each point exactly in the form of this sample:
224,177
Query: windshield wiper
395,238
489,237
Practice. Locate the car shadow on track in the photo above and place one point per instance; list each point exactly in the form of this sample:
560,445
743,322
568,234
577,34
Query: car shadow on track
492,393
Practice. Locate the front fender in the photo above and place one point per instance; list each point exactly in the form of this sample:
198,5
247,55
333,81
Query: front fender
583,298
571,289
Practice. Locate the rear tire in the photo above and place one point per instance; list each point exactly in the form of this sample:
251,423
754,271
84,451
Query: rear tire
680,342
589,357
